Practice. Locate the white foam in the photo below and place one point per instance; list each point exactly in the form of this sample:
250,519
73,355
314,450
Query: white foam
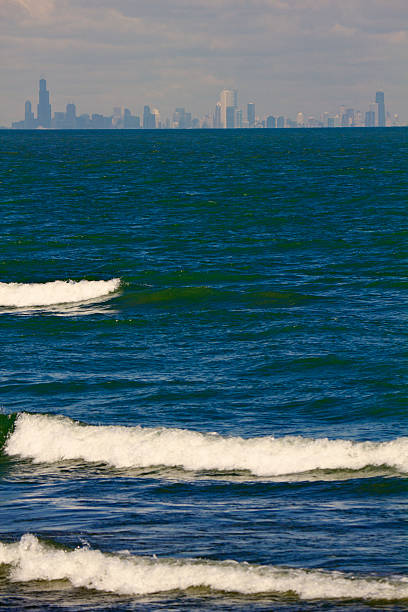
49,439
56,292
32,560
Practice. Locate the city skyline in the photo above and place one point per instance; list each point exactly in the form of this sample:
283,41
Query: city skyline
302,55
227,114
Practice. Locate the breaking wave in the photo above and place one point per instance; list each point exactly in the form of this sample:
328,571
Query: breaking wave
49,439
56,292
30,559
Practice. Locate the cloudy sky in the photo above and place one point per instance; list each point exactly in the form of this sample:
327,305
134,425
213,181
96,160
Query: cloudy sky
286,55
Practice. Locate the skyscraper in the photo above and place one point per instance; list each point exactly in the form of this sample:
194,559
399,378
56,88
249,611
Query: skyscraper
379,98
29,121
70,116
149,119
217,116
230,117
228,98
251,114
370,119
270,122
44,106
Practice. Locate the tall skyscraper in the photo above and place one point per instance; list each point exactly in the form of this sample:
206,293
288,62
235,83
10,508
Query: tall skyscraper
44,106
149,118
228,99
217,116
251,114
379,98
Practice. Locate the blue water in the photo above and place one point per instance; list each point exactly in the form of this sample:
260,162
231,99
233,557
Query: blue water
262,293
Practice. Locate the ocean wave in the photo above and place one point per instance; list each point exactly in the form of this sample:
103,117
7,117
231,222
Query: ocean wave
56,292
49,439
31,559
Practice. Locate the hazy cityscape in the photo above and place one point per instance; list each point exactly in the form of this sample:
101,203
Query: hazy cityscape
226,114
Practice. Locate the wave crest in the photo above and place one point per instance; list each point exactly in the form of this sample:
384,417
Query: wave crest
126,575
48,439
56,292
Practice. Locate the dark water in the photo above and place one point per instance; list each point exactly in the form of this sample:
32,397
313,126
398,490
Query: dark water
263,293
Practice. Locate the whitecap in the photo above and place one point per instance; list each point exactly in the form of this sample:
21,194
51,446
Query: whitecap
30,559
49,439
57,292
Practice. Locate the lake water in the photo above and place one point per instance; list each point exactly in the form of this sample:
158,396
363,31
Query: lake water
213,414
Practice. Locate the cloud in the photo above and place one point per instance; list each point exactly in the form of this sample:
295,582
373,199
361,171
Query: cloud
24,10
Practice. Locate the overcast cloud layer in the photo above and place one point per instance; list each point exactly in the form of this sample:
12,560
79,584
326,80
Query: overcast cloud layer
287,55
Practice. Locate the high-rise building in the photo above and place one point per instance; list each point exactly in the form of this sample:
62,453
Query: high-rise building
230,117
228,99
117,117
379,99
156,122
181,119
280,122
270,122
370,119
130,122
238,118
149,118
251,114
217,116
29,121
44,106
70,116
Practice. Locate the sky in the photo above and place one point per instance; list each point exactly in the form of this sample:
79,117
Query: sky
286,55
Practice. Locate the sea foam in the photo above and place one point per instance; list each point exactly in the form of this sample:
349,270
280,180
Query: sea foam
30,559
56,292
48,439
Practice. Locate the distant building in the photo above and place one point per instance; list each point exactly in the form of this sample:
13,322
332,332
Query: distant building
58,122
217,116
358,119
347,118
181,119
270,122
228,99
230,117
70,116
44,106
300,120
280,122
379,98
370,119
238,118
149,119
117,121
156,122
130,122
251,114
29,120
99,122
